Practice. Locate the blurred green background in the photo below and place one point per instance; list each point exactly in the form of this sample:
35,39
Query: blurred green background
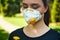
10,10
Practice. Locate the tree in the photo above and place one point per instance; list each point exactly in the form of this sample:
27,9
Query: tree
57,16
53,11
13,7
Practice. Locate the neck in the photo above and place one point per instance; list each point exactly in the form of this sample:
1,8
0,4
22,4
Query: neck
38,26
37,29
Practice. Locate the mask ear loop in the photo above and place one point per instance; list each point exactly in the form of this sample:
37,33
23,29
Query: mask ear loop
45,11
21,9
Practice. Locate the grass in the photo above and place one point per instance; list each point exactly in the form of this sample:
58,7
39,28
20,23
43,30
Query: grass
3,34
55,26
20,22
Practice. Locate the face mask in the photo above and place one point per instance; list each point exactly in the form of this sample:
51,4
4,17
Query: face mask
31,15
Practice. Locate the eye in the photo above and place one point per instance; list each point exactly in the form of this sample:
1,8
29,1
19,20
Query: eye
35,6
25,6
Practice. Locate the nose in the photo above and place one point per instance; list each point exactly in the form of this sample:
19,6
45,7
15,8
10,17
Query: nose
29,6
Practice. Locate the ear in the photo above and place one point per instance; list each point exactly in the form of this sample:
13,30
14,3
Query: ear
46,8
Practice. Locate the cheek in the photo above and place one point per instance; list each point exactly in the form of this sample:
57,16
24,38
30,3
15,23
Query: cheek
41,10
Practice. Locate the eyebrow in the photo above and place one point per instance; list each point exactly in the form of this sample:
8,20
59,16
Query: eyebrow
24,3
34,4
31,3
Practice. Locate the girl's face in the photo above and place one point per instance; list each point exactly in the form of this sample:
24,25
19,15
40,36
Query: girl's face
35,4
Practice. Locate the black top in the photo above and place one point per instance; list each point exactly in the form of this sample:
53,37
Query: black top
19,34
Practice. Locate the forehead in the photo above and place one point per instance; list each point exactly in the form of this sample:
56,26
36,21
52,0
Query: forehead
32,1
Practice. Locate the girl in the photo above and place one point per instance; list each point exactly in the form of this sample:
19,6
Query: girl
36,15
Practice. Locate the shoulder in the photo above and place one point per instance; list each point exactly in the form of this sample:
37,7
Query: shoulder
56,34
53,34
16,33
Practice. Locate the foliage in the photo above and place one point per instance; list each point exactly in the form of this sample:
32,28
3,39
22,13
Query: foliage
57,16
13,7
55,10
3,34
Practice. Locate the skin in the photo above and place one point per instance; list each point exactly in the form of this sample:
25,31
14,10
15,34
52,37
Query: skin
39,28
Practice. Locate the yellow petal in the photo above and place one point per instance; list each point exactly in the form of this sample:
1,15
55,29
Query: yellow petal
32,21
16,38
